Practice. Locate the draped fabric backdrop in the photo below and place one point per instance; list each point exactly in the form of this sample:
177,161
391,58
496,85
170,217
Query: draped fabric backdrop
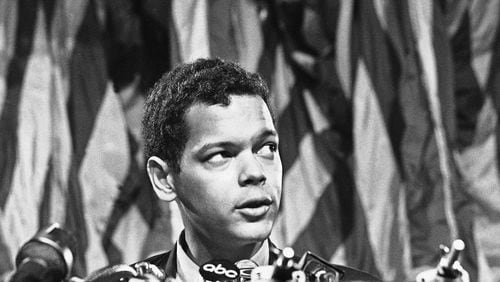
387,112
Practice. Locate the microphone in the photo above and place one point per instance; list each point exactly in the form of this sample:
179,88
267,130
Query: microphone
141,271
318,269
219,270
246,266
283,269
448,268
46,257
149,272
445,267
119,272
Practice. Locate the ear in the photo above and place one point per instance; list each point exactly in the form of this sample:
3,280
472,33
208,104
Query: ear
160,175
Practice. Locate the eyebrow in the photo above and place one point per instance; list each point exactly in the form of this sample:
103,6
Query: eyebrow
260,136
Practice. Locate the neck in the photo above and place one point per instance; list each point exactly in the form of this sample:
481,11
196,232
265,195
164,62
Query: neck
202,249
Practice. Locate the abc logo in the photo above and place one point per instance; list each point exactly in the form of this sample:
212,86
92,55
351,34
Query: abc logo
215,270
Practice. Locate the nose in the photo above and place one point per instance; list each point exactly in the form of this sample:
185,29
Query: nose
252,172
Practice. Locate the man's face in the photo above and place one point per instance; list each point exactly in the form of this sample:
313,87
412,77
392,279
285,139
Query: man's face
231,173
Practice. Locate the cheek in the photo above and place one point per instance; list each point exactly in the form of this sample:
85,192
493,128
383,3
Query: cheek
276,183
208,192
275,175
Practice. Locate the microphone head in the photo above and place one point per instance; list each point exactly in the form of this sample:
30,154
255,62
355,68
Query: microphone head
458,245
246,266
48,256
219,270
112,273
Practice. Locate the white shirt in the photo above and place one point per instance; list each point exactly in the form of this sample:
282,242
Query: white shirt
188,270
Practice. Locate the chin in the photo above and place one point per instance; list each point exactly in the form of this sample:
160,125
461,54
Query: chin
254,232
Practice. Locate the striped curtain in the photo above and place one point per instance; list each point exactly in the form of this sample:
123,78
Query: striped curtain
387,113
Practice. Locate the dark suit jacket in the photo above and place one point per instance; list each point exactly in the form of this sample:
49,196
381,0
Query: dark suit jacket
168,262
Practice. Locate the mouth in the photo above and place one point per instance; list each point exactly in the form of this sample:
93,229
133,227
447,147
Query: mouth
255,208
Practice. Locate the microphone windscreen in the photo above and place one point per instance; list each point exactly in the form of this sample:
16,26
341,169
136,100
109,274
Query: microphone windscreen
47,256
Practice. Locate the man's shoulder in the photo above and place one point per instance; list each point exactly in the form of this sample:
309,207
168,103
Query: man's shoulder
353,274
312,264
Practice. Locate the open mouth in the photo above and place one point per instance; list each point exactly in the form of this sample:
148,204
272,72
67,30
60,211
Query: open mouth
255,208
255,203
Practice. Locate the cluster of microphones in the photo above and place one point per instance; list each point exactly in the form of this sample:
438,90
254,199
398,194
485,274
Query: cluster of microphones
48,257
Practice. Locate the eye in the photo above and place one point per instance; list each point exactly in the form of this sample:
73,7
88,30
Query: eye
268,150
218,158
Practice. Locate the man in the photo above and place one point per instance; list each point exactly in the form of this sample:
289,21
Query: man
212,146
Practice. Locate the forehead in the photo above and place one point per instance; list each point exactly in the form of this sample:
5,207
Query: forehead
244,115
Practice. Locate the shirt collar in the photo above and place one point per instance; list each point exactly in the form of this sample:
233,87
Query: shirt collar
188,270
